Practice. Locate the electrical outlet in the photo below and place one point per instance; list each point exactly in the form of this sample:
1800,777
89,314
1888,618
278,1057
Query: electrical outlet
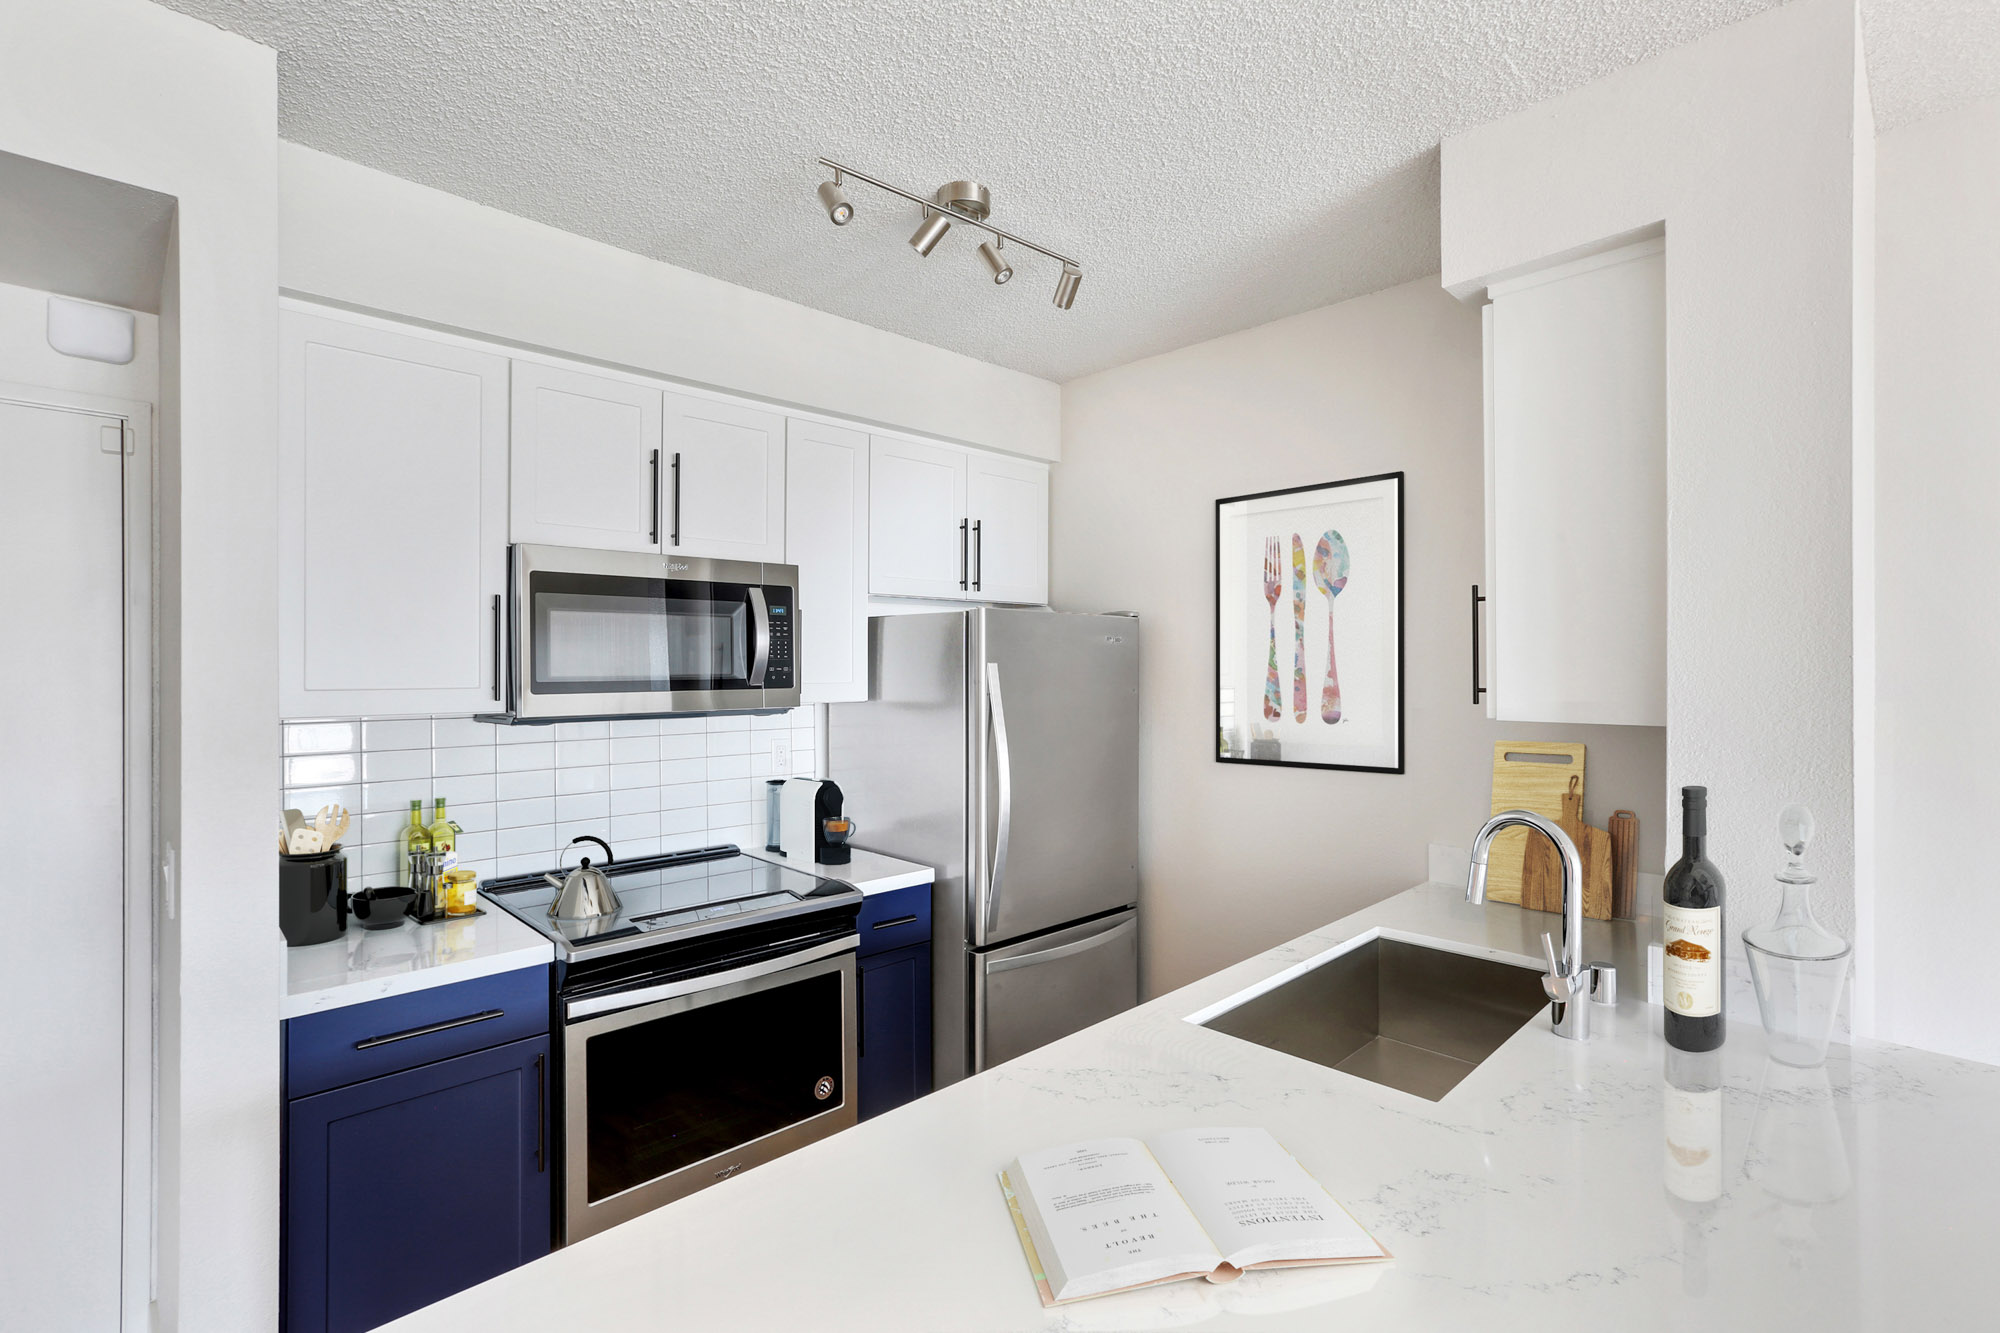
781,756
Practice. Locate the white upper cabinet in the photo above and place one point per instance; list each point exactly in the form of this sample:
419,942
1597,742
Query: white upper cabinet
586,467
917,526
1576,492
1007,500
826,536
725,479
392,475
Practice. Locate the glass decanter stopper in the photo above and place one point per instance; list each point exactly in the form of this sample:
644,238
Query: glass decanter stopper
1800,966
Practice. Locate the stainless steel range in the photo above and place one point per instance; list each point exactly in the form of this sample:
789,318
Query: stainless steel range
707,1025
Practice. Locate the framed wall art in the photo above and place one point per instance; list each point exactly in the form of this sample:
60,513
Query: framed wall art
1309,626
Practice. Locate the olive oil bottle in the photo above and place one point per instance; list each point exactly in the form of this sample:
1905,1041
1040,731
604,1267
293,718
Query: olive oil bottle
1692,968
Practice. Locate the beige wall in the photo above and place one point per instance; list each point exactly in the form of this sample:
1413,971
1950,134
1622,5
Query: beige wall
1235,858
1938,645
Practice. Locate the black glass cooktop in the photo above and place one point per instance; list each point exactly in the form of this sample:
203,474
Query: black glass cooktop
666,898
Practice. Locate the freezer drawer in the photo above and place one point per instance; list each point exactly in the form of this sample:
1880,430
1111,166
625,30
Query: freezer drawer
1028,994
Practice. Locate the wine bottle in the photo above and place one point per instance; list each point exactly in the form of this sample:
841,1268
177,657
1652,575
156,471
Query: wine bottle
1692,968
413,838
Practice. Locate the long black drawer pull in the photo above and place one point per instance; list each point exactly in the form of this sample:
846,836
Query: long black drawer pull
368,1042
897,921
541,1114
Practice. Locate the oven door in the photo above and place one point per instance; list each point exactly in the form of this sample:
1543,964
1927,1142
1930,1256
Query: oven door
676,1093
617,633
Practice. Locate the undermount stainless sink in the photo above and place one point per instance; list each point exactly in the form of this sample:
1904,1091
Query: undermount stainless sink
1390,1011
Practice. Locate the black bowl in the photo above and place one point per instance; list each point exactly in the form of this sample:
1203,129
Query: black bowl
379,908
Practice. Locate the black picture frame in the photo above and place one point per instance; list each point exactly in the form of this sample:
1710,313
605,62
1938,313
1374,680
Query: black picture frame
1325,492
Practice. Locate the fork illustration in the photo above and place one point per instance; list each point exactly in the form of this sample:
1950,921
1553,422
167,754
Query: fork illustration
1274,701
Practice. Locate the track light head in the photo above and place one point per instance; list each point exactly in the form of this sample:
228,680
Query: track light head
1002,270
1066,285
834,200
929,232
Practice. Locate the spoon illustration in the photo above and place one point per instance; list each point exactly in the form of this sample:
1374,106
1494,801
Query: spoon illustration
1330,576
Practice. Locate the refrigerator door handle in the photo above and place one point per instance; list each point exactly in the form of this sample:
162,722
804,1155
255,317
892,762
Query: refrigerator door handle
997,712
1117,932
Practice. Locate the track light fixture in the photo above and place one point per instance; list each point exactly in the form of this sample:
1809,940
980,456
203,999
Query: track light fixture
957,201
834,200
990,252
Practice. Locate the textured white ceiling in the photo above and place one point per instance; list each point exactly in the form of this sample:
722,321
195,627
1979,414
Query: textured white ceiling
1213,163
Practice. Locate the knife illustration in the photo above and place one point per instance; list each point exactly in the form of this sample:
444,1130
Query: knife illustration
1298,629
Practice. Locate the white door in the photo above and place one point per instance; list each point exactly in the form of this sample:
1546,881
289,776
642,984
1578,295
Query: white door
1008,501
826,536
61,845
586,463
392,520
917,527
725,479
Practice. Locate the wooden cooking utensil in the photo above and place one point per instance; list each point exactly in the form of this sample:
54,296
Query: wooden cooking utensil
1624,863
1533,776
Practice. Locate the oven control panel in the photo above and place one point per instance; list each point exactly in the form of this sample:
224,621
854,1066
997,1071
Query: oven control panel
780,673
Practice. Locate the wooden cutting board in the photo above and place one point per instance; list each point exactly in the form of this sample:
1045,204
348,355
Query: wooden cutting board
1541,866
1521,781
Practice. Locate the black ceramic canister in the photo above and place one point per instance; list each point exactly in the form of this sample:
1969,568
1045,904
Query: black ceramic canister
312,897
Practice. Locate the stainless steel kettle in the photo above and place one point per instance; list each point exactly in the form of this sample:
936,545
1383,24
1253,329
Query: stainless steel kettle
585,892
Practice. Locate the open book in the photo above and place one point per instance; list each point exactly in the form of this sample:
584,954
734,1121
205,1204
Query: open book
1112,1214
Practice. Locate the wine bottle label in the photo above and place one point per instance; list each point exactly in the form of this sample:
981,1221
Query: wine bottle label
1692,966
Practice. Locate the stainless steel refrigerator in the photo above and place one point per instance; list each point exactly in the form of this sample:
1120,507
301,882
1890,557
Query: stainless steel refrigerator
1001,747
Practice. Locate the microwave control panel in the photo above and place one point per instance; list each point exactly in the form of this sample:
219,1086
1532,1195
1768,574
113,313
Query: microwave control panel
780,672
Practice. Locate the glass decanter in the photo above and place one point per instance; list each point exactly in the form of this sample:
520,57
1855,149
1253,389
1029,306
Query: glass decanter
1800,967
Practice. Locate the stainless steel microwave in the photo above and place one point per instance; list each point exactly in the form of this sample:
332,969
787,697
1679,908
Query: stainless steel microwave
597,634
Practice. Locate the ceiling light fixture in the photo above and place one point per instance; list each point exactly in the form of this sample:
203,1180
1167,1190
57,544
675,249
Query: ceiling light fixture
990,252
958,201
834,200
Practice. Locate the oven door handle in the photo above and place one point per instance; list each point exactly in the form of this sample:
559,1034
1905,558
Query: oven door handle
605,1004
762,614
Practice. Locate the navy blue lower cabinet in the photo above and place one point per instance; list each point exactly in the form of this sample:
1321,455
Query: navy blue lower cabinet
895,1027
403,1189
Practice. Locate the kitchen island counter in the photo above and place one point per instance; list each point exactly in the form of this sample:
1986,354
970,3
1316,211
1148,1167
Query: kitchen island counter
1857,1196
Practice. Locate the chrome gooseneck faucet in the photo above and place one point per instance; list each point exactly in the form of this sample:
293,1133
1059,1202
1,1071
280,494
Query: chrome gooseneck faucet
1570,984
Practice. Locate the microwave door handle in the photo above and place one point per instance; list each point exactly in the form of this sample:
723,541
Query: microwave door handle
761,613
996,712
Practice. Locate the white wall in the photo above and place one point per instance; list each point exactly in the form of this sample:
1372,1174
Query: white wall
1744,145
1234,859
133,93
370,240
1938,650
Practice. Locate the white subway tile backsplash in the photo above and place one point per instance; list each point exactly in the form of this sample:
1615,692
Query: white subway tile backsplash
519,814
574,781
395,733
392,765
634,749
586,805
515,758
453,731
320,770
582,751
458,760
520,795
318,737
569,831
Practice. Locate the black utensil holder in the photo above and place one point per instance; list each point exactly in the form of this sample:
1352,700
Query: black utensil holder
312,898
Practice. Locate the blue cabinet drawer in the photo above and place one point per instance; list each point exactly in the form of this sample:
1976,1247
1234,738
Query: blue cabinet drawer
342,1046
895,918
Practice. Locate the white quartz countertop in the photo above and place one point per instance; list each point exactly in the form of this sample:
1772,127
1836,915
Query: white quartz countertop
870,872
366,965
1863,1195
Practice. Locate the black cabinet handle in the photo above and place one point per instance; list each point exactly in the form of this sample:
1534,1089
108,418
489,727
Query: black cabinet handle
978,553
674,536
496,647
897,921
1477,688
541,1113
653,533
963,556
367,1043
